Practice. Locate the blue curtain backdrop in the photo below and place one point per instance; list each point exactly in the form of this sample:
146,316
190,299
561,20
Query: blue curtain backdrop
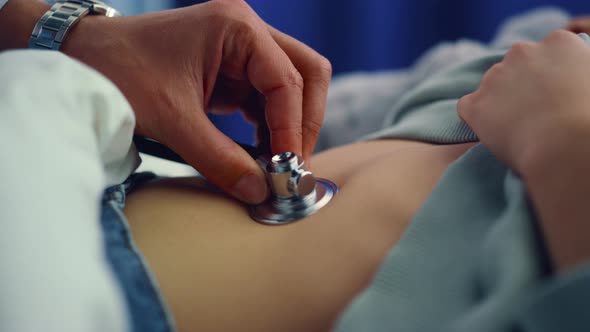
382,34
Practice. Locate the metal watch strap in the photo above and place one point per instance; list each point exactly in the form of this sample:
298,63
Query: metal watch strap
53,27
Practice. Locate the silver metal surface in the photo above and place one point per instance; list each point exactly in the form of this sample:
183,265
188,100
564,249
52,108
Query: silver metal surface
301,183
295,192
53,27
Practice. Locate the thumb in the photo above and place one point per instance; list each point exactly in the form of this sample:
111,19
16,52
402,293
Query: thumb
219,159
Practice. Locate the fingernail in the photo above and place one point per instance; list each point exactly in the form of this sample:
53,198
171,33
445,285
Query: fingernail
251,188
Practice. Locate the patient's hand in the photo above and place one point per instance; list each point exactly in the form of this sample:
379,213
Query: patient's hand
532,111
579,25
175,66
534,103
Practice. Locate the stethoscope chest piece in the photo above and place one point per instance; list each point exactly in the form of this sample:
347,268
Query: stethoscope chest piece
295,192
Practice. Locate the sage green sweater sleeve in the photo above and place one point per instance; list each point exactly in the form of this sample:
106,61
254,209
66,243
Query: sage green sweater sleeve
559,304
472,258
428,113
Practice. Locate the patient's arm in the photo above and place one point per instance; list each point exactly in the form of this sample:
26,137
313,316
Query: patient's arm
535,119
579,25
559,185
221,271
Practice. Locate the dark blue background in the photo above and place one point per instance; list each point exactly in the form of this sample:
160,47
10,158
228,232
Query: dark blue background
382,34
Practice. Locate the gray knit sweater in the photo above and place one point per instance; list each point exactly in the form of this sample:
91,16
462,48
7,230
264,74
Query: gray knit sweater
472,259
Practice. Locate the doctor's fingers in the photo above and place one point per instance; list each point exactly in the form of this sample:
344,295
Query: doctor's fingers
272,74
316,71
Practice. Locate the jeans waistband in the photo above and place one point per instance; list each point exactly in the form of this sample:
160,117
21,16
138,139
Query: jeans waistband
146,307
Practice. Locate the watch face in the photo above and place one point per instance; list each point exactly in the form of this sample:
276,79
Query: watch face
102,9
98,7
97,2
78,1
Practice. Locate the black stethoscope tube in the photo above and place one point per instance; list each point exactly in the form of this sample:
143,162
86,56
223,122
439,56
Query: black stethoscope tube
157,149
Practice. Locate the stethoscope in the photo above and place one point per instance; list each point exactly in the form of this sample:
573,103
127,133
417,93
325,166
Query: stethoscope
295,192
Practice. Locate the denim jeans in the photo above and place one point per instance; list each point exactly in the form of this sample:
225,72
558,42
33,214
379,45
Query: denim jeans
146,307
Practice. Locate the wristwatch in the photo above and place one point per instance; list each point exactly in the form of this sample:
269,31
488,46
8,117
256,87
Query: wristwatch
53,27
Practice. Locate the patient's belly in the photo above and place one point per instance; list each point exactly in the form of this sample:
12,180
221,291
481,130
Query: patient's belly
221,271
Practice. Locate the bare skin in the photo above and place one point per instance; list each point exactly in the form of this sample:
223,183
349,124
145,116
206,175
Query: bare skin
220,271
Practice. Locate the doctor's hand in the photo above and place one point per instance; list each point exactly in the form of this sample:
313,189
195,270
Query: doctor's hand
175,66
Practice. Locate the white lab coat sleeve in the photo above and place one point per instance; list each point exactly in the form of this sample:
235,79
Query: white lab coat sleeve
65,134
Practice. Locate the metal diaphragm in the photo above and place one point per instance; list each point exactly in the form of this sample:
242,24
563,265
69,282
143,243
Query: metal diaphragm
295,192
